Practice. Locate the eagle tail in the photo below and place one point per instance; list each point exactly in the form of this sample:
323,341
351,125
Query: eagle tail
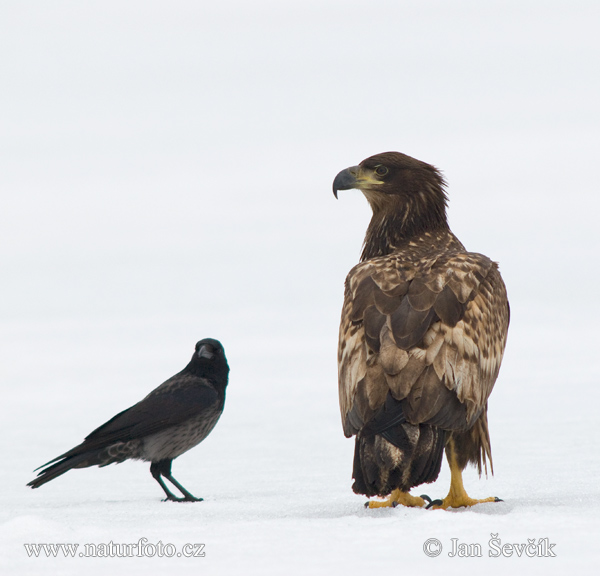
399,458
390,453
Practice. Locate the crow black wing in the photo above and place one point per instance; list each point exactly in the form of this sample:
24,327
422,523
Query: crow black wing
172,403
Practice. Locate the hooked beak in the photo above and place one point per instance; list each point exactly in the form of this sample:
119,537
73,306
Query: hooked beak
345,180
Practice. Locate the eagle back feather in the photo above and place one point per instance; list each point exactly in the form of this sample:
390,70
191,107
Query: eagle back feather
426,323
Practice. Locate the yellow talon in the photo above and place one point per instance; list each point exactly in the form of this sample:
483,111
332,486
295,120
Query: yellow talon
397,497
457,496
452,501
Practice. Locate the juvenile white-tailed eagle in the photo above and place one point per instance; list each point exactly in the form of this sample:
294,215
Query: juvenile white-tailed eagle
422,335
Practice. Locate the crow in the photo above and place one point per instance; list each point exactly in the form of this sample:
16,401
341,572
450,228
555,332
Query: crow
173,418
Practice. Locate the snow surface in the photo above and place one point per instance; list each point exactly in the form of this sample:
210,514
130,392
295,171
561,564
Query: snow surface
166,177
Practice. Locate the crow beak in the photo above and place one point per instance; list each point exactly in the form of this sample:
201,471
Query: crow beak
345,180
205,352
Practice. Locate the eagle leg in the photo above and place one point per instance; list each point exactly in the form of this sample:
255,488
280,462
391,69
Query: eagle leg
457,496
396,497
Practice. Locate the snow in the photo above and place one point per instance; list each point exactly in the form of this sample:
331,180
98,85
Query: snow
167,176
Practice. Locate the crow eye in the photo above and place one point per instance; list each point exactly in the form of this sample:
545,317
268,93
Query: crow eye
381,170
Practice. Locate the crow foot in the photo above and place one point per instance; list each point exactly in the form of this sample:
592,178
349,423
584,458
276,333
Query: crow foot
173,498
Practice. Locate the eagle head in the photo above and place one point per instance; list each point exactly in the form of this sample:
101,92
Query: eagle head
406,195
394,176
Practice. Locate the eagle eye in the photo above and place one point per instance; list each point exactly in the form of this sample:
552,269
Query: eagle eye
381,170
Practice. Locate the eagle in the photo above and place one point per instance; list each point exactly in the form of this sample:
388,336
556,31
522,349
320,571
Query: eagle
422,336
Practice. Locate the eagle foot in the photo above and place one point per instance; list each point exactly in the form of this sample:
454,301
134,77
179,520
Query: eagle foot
457,495
464,501
434,503
431,502
396,498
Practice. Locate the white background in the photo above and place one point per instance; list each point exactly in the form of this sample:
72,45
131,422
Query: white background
166,173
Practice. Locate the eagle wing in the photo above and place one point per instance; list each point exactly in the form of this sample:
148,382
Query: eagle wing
430,331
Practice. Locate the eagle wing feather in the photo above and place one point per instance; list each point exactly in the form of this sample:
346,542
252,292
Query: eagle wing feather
428,328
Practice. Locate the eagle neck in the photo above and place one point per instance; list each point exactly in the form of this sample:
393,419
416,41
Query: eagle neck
389,231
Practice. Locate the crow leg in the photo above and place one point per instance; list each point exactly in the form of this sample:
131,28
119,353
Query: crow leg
457,496
396,497
170,495
163,468
187,496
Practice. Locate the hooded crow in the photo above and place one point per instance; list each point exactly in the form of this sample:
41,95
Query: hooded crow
173,418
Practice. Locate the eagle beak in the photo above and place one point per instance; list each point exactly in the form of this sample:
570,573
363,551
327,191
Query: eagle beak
345,180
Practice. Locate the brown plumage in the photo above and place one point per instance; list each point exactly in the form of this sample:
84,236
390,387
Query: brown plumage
422,335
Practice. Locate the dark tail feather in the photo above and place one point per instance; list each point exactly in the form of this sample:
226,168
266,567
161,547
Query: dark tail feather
427,460
391,453
56,470
360,484
378,469
400,457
